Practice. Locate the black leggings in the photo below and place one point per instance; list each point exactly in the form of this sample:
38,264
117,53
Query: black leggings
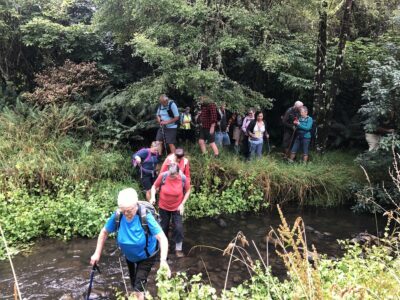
139,271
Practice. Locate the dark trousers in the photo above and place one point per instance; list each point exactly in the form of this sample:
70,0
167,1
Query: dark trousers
139,271
287,138
246,147
166,216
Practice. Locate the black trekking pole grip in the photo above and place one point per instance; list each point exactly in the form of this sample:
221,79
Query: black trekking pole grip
94,268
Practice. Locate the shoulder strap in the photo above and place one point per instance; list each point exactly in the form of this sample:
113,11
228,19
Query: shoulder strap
148,155
118,217
164,176
183,177
142,213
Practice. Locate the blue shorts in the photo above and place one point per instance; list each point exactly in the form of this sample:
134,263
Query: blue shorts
301,142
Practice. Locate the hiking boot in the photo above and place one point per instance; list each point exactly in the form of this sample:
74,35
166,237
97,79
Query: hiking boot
179,253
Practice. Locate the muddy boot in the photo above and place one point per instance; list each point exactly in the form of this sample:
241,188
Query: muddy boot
305,159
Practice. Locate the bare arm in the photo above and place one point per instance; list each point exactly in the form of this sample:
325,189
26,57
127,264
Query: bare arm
153,192
99,247
181,207
163,241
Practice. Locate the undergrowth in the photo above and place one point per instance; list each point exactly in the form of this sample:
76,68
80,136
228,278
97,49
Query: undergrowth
56,181
230,184
364,272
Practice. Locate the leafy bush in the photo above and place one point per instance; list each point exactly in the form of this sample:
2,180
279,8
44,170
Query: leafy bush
68,83
74,210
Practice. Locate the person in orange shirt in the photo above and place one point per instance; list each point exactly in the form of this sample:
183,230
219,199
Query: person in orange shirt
174,191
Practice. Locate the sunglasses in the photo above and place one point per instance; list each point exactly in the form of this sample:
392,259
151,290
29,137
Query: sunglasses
129,210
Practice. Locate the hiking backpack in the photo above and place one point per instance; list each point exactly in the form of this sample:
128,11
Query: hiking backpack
144,208
135,164
170,112
166,174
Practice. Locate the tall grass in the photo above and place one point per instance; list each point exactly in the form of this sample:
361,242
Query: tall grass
36,151
325,181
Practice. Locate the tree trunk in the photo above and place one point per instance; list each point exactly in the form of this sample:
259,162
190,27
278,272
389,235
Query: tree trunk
320,70
326,110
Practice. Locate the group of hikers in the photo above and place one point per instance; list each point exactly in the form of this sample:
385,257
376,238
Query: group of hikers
217,127
141,234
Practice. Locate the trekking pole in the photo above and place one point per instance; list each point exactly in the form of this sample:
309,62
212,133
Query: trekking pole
164,140
11,264
94,268
122,275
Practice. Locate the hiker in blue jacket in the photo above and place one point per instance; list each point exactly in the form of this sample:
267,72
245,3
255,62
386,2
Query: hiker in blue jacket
146,160
303,134
139,248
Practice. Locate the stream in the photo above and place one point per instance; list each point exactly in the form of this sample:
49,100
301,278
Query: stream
60,270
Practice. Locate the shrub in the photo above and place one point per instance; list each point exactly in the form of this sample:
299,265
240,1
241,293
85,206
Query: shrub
68,83
74,210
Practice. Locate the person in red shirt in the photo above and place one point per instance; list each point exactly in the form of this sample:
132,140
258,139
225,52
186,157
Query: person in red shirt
208,120
174,191
179,158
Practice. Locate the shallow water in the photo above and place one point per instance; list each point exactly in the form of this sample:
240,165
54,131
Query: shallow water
56,269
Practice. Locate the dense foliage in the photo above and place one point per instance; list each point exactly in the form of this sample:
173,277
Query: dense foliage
54,185
382,96
368,272
244,53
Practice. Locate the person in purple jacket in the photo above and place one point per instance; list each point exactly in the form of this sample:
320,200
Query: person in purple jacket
146,160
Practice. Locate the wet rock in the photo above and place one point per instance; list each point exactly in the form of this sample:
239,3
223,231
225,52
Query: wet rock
327,233
309,228
221,223
365,238
66,297
318,234
98,293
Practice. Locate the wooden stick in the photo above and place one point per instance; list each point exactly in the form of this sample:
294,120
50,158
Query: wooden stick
16,286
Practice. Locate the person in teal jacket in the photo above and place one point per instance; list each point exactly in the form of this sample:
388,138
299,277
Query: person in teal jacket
303,134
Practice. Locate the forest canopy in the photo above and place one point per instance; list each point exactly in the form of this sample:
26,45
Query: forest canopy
260,54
